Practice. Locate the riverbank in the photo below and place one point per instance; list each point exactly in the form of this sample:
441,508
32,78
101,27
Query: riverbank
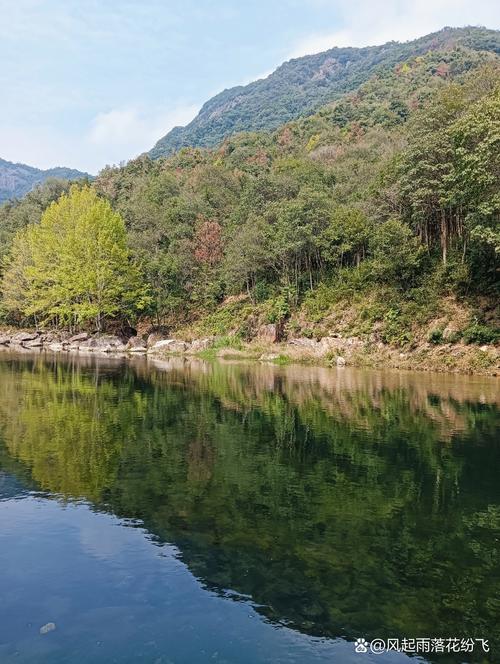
328,351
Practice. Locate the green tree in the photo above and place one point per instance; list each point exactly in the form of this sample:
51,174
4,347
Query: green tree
74,268
345,240
396,253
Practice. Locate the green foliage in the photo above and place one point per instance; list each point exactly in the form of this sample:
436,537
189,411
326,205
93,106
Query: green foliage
228,320
480,333
346,239
436,336
74,267
396,329
277,309
302,85
396,254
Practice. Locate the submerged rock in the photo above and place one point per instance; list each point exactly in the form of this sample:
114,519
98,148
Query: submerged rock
48,627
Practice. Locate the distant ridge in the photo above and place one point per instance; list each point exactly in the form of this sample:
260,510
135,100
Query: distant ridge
302,85
16,180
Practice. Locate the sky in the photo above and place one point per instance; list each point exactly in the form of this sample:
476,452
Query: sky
89,83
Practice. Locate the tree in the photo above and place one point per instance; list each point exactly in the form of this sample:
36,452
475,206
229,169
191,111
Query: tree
346,238
74,267
396,253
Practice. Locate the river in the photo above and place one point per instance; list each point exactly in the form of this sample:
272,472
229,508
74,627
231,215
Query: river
182,512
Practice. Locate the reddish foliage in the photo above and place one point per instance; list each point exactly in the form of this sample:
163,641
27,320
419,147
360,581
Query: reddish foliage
285,138
208,241
443,69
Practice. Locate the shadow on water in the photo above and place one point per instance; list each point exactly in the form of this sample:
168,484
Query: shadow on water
342,502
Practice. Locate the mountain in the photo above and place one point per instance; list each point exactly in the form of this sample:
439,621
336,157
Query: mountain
302,85
16,180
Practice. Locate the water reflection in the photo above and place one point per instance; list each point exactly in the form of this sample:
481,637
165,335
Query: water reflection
343,503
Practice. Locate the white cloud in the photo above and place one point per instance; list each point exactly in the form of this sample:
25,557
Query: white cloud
134,130
112,137
369,22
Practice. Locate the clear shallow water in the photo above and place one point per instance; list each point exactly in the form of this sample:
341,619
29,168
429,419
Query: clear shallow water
188,512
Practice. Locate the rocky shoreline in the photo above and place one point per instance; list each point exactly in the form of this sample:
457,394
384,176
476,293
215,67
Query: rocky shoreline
99,343
333,350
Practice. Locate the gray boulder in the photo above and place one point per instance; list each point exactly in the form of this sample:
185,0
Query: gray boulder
154,337
83,336
56,346
136,345
198,345
33,343
105,343
169,346
22,337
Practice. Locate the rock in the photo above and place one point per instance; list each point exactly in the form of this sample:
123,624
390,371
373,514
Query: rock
200,344
269,333
170,346
56,347
4,340
304,342
329,343
83,336
450,331
136,344
105,343
22,337
340,361
49,627
154,337
48,337
34,343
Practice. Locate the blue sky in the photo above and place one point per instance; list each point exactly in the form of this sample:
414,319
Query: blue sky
85,84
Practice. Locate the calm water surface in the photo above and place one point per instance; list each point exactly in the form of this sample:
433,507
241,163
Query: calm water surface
181,512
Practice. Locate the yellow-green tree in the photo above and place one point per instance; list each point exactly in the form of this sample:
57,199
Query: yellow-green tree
74,268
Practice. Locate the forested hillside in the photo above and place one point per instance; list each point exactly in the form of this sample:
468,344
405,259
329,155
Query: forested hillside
375,218
17,179
302,85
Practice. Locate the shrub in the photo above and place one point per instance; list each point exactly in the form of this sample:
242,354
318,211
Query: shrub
435,336
478,333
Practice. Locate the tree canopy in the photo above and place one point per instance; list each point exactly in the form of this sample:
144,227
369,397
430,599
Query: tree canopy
75,266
